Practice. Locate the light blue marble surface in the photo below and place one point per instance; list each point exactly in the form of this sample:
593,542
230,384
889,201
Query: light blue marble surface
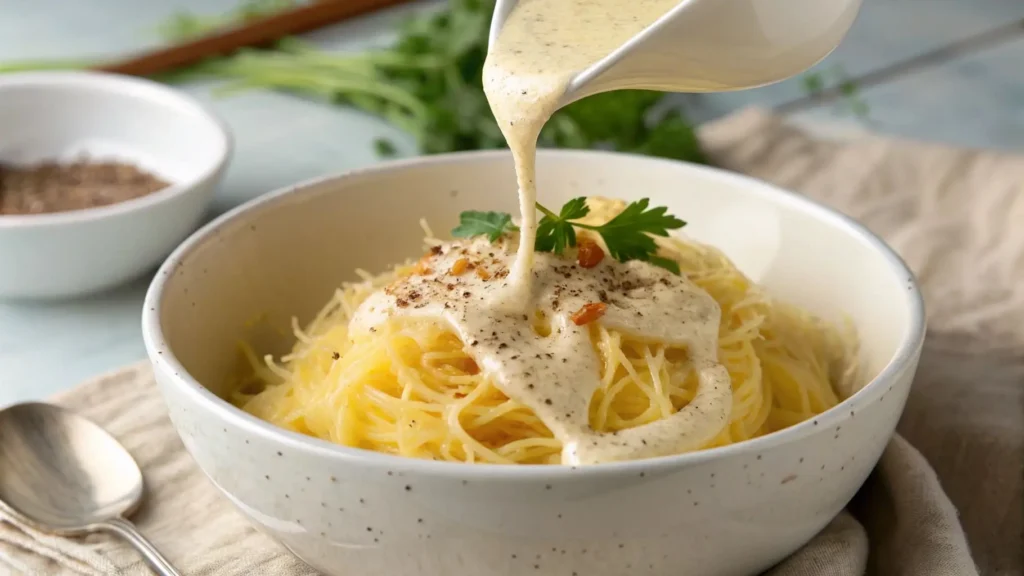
887,32
975,100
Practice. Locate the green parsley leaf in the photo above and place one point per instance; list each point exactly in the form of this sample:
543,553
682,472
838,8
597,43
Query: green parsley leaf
671,137
385,148
813,82
670,265
628,235
574,209
554,232
835,82
490,224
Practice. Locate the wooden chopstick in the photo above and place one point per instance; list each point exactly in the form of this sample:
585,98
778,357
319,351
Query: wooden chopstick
255,33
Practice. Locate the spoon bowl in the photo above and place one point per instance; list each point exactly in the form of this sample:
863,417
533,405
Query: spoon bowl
61,473
714,45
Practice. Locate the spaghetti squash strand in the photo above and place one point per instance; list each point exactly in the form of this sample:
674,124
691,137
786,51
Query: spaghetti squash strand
412,389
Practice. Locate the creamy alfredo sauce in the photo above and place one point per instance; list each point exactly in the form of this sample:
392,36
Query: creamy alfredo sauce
541,47
556,374
493,307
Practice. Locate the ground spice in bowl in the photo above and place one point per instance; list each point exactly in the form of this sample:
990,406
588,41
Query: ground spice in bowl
62,187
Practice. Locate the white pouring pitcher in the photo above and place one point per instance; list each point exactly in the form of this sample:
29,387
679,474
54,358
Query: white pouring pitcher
714,45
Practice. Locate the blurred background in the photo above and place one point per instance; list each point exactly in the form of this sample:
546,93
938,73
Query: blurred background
945,70
940,70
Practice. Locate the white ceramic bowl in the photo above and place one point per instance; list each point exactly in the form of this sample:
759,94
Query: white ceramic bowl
59,115
727,511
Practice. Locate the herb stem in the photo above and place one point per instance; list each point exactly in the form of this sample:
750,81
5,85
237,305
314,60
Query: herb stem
554,216
546,212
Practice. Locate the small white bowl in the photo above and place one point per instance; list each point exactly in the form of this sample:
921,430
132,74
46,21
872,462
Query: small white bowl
726,511
61,115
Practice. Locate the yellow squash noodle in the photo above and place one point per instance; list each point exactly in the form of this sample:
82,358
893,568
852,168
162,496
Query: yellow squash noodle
410,388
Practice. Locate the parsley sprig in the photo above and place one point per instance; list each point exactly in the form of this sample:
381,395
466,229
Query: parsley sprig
628,236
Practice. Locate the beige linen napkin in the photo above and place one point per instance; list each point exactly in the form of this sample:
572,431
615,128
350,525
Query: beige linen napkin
956,216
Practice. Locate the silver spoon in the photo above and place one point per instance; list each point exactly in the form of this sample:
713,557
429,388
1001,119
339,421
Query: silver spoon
62,474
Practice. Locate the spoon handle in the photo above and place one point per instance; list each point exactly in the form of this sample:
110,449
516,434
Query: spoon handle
129,532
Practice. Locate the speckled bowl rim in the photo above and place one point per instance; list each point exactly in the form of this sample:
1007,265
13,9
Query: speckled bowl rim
179,102
177,376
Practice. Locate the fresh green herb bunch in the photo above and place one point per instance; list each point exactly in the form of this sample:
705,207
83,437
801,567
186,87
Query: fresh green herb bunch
459,118
429,83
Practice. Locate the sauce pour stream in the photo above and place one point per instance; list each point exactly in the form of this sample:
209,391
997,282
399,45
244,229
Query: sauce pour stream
543,45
